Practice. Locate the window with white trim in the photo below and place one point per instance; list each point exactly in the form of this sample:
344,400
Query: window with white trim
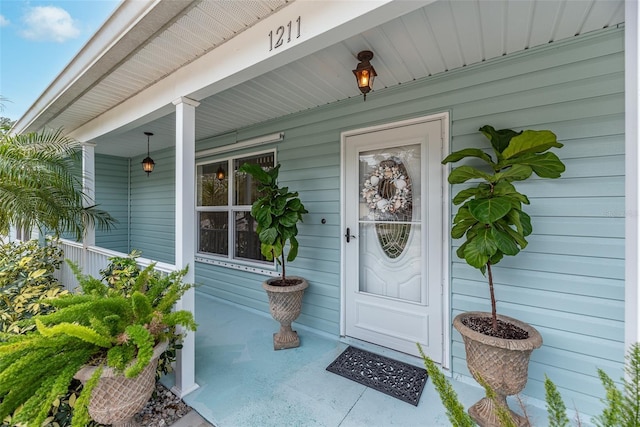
226,228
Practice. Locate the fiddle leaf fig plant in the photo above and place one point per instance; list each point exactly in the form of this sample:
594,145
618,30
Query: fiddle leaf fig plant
490,216
277,212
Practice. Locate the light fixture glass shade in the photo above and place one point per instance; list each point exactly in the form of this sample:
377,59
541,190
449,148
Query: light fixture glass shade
364,80
364,72
220,173
148,163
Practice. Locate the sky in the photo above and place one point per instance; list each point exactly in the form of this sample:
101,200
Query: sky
37,40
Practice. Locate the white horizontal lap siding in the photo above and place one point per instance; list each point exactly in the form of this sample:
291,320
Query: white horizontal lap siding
153,207
569,281
112,195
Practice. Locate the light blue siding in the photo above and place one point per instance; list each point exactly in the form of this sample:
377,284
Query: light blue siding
112,195
310,165
144,206
569,282
153,207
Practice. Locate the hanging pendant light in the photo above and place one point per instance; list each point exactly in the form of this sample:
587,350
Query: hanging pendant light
220,173
364,72
148,163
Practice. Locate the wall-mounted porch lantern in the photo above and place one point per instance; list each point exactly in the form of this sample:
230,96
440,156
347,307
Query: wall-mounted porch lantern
148,163
365,73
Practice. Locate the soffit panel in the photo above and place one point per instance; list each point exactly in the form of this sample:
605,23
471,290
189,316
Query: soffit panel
437,38
204,27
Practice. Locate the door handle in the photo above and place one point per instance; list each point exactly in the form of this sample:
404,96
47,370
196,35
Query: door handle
348,235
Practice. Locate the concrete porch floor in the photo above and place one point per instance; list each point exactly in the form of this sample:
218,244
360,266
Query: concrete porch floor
244,382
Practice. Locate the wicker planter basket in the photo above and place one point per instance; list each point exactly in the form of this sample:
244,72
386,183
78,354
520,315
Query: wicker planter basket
116,399
285,304
503,364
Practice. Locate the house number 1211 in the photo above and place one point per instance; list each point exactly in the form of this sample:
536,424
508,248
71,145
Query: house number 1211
283,34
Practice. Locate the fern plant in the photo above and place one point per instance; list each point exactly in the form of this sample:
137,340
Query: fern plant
109,324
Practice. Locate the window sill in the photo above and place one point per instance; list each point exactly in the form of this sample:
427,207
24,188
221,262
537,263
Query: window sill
237,266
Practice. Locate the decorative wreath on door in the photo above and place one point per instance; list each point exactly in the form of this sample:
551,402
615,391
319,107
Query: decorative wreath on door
387,192
388,189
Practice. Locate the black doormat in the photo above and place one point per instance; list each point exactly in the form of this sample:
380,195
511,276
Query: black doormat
397,379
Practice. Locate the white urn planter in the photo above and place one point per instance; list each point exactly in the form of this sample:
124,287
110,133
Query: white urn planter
117,399
285,304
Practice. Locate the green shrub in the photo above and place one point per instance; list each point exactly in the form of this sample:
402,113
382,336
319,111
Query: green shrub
556,408
622,407
27,282
112,322
121,274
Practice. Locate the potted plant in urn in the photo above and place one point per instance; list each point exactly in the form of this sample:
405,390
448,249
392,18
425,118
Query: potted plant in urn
277,212
493,224
109,337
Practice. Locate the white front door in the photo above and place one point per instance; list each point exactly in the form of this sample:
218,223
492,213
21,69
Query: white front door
394,235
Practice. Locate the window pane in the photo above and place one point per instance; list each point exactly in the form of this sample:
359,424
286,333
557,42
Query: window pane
214,232
23,234
245,189
390,183
247,242
213,184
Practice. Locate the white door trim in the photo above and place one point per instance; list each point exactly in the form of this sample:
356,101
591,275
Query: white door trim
446,223
632,177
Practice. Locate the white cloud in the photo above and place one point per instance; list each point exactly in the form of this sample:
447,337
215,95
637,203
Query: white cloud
3,21
49,23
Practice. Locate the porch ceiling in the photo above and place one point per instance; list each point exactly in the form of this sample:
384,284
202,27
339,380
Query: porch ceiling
442,36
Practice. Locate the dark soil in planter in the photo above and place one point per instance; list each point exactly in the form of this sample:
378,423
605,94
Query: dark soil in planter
506,330
287,282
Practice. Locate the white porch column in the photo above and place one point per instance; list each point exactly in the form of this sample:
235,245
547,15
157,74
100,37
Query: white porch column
632,165
89,188
185,232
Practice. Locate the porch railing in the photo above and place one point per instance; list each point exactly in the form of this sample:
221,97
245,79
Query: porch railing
92,259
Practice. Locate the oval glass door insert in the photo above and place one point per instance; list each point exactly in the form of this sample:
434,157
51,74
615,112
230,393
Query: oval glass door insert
387,193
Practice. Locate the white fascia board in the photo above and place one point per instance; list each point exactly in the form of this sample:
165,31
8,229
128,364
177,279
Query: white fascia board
323,23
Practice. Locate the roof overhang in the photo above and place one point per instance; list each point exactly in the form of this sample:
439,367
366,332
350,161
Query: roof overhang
150,53
119,37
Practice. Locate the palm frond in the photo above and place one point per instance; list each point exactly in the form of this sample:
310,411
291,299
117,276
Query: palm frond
41,186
